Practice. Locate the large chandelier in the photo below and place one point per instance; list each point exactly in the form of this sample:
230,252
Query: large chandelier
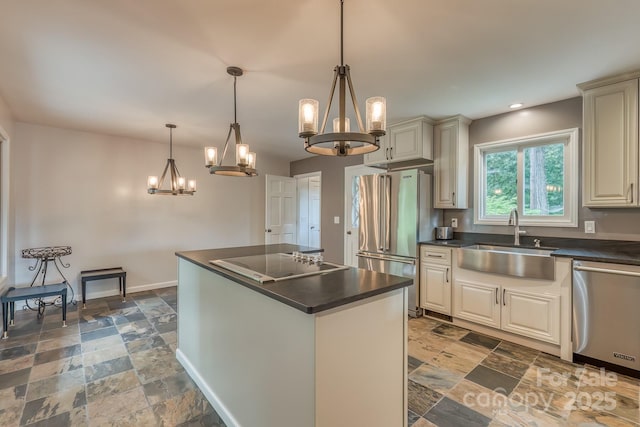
342,142
245,159
179,185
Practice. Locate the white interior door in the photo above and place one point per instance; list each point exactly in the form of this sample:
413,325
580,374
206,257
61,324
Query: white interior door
351,214
309,194
280,221
315,187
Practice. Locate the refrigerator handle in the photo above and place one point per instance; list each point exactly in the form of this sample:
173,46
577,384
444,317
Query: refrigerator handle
387,216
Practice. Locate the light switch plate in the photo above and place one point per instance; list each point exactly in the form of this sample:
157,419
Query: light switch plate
336,220
590,227
454,222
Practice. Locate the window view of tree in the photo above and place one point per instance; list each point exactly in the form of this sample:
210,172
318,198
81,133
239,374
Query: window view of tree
544,179
537,174
501,186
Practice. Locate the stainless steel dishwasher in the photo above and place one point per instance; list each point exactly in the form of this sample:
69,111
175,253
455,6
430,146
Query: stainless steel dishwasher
606,314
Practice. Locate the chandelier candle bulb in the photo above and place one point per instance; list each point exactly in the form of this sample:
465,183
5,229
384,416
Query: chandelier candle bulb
308,117
251,159
376,110
210,156
152,182
242,154
336,125
192,185
181,183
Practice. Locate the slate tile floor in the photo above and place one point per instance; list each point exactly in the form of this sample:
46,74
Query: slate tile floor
113,365
461,378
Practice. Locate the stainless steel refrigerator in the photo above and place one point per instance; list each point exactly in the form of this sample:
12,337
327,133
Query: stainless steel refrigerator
396,212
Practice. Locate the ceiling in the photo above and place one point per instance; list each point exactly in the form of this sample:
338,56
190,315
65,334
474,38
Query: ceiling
126,68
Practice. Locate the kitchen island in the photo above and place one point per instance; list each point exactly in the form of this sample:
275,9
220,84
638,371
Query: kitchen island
322,350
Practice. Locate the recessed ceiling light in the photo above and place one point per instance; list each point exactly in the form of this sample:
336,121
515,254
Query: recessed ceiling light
516,105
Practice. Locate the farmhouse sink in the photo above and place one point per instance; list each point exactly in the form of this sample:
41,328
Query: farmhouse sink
531,263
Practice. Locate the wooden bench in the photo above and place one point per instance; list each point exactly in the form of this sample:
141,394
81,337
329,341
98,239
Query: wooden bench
18,294
100,274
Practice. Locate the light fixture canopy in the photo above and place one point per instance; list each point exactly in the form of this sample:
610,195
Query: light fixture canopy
178,184
342,142
245,159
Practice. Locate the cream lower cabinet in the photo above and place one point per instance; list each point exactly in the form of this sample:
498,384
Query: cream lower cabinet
512,310
477,302
435,279
531,315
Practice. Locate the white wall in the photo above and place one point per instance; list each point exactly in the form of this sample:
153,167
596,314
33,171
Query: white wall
89,191
6,215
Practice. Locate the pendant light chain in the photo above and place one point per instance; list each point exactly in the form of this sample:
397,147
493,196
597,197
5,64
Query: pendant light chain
341,32
171,143
235,108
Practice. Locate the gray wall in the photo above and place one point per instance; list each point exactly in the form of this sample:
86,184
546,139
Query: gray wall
617,224
332,198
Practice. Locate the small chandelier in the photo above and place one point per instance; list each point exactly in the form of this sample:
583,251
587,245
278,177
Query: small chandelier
179,185
342,142
245,159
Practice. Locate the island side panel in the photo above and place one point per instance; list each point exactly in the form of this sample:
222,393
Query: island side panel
361,356
252,356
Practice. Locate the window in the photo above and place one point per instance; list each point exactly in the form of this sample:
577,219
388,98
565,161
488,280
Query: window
536,174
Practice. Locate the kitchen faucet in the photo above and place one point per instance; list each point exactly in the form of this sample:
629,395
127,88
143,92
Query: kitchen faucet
513,220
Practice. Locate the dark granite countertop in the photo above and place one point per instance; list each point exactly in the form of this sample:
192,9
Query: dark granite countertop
310,294
614,251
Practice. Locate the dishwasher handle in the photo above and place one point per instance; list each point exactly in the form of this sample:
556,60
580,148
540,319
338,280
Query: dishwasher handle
606,270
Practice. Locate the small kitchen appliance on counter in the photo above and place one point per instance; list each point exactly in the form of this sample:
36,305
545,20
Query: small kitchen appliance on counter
444,233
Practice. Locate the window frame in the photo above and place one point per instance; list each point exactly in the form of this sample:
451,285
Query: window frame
570,138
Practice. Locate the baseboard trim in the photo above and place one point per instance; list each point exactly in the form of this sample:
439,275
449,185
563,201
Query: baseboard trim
130,290
226,416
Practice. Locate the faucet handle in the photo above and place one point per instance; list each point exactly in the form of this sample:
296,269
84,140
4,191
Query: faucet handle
536,243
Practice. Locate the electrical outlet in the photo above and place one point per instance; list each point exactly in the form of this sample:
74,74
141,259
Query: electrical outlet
454,222
336,220
590,227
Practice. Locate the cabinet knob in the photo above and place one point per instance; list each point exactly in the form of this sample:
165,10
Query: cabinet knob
268,230
349,233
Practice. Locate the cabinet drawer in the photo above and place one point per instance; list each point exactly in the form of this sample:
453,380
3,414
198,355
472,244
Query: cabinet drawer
435,255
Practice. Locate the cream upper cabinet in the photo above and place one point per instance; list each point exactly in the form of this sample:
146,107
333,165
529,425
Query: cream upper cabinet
409,142
610,144
451,165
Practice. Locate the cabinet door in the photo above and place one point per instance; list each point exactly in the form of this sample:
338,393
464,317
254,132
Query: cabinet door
380,156
435,288
610,160
532,315
477,302
405,141
451,163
